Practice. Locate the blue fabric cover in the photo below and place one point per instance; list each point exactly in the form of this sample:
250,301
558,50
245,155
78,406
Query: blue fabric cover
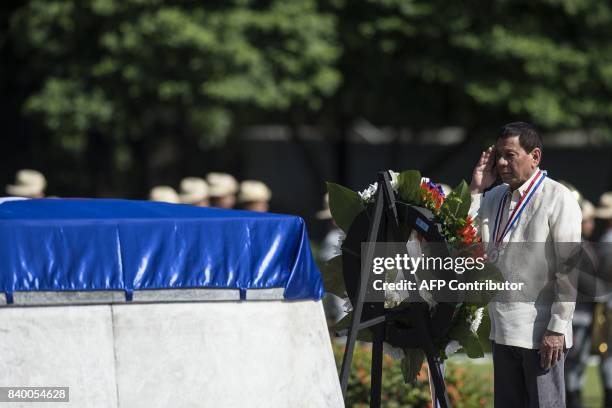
100,244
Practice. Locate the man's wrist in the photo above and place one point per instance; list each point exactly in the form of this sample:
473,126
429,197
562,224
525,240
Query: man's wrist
475,189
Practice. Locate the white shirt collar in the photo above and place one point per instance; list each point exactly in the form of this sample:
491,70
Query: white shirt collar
521,190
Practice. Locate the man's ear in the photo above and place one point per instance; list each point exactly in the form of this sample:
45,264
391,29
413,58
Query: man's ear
536,155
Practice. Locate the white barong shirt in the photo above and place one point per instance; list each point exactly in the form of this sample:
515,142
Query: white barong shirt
552,216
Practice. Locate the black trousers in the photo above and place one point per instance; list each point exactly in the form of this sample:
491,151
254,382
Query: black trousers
519,381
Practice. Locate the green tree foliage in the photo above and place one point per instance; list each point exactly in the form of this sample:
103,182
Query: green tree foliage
435,62
131,70
133,77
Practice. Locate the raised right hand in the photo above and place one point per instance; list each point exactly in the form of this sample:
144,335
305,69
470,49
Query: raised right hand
484,173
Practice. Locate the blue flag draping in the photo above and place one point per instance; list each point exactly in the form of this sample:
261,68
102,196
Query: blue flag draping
104,244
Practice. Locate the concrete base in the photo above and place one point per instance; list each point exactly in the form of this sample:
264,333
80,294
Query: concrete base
200,354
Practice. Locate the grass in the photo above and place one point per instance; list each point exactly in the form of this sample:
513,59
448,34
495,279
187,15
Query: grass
592,393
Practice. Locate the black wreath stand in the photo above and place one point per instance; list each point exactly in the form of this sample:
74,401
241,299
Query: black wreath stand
384,224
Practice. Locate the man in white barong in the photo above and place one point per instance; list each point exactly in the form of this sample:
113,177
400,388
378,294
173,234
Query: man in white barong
529,338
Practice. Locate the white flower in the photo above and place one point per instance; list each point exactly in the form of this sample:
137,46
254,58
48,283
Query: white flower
392,299
476,319
452,347
348,306
427,297
395,353
367,195
394,179
341,239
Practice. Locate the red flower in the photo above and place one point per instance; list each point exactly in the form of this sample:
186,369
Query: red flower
468,232
431,196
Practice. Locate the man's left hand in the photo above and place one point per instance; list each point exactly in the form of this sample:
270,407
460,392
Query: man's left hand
551,349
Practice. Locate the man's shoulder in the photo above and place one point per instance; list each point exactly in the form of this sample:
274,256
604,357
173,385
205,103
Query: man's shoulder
557,190
561,198
495,192
492,197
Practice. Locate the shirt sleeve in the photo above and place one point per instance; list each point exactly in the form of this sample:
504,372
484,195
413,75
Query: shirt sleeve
565,229
475,210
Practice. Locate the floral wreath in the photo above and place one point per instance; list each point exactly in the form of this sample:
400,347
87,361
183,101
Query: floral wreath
461,236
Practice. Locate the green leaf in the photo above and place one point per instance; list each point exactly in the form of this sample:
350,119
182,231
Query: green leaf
345,324
466,199
409,186
458,202
471,345
344,205
467,338
411,364
333,279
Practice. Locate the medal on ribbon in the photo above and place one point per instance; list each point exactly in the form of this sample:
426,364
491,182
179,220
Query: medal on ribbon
493,254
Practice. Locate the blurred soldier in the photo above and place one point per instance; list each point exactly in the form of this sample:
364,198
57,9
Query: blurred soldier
577,356
164,194
330,247
605,212
254,196
331,243
223,189
28,183
588,218
194,191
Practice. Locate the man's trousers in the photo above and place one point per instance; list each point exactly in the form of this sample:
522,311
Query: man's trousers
519,381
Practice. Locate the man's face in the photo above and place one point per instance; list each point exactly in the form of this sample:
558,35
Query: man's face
588,226
259,206
514,164
203,203
228,201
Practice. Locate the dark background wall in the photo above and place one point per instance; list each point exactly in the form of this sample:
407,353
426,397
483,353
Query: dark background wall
296,190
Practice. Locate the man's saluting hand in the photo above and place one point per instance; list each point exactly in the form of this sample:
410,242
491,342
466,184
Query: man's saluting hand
485,173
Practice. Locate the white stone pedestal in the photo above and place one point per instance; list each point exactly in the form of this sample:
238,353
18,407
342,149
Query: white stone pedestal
196,354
